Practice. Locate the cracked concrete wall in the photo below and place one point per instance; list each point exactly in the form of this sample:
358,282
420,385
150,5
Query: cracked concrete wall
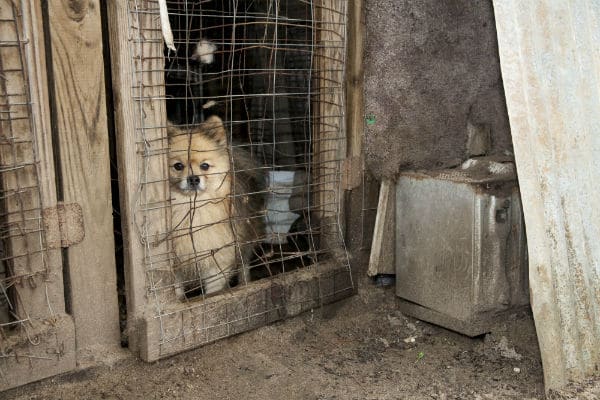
431,68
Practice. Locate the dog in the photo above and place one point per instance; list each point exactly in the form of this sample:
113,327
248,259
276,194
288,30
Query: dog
217,208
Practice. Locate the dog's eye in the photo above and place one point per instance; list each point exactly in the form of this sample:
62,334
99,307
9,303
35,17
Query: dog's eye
178,166
204,166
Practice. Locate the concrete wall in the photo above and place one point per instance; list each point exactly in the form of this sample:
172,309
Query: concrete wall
431,67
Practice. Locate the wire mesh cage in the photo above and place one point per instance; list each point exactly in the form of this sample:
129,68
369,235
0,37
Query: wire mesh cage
239,132
22,252
35,334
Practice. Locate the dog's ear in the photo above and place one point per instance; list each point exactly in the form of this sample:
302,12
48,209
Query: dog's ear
172,130
213,128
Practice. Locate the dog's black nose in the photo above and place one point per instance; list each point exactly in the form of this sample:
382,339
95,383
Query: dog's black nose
193,180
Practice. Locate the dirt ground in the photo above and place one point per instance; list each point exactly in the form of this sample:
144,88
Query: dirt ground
359,348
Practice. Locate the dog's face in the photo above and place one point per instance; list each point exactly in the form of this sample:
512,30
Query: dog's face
199,161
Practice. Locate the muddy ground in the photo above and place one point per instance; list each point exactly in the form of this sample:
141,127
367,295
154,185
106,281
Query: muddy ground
359,348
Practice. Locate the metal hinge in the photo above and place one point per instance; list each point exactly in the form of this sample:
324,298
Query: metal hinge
63,225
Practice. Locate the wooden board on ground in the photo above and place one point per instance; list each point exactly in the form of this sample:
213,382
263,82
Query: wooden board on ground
382,258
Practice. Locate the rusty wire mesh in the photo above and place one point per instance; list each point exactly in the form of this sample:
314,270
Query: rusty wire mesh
276,82
24,270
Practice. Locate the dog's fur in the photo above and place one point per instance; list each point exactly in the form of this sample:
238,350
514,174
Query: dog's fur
217,207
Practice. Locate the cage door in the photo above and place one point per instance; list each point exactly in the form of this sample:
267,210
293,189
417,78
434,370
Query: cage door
259,78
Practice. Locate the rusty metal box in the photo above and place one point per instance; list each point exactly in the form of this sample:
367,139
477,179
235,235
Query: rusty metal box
461,258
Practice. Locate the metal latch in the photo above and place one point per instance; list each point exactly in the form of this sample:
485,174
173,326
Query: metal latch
63,225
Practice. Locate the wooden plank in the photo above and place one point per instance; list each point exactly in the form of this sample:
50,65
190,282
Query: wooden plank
80,120
329,136
189,325
25,138
354,91
382,257
122,82
140,116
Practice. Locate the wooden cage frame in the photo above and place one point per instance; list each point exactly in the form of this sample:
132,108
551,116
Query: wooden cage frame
156,333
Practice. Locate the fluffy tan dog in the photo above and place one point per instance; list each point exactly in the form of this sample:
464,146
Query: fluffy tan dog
217,208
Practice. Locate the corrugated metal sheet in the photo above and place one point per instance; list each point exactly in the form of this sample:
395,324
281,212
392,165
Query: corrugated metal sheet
550,58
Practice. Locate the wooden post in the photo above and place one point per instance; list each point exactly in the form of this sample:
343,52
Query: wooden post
329,136
354,95
357,223
142,149
80,120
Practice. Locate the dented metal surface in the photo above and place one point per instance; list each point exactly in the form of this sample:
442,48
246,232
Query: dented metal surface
550,59
460,248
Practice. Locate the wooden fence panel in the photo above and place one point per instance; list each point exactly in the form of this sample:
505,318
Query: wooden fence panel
37,340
